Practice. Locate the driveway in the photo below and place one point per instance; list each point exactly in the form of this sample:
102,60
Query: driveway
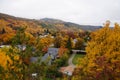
71,59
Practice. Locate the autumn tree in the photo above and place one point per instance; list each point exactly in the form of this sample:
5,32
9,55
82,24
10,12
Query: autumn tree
21,42
63,54
44,42
6,38
102,61
79,43
64,41
57,41
62,51
6,33
10,64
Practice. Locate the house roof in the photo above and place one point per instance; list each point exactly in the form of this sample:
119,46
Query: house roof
4,46
67,70
52,52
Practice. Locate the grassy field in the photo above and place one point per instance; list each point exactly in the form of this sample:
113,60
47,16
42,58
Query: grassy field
77,56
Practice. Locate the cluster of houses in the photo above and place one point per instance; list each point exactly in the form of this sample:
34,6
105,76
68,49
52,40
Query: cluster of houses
50,56
53,54
20,47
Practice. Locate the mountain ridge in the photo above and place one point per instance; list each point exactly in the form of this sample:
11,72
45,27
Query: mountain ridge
50,23
70,24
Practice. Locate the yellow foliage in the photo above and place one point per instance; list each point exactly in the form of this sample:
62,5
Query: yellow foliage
6,37
103,55
4,59
46,41
9,64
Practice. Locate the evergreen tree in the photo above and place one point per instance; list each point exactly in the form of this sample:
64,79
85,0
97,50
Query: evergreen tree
69,43
79,44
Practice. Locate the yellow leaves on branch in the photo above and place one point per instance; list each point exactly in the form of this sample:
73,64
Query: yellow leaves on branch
31,38
10,62
6,37
103,55
46,41
4,59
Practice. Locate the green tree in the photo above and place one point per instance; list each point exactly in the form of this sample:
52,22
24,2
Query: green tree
69,43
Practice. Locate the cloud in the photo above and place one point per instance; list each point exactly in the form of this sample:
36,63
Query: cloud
93,12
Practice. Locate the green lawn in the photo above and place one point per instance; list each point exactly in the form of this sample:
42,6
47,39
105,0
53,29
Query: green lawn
77,56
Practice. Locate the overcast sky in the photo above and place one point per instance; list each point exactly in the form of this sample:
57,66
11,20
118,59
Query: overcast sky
88,12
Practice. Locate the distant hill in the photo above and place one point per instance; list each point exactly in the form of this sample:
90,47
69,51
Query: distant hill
54,23
51,20
38,26
84,27
11,23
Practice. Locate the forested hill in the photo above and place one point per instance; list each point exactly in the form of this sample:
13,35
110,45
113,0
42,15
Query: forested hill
38,26
55,23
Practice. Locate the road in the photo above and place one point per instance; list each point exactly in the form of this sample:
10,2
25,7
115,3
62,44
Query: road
70,60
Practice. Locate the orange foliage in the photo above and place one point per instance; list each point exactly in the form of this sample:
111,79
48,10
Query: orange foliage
7,37
61,51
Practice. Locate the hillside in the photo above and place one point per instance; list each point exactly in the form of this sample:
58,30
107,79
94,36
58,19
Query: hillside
55,23
38,26
12,23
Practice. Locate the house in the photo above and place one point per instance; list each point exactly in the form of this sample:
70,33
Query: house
42,36
67,70
21,47
2,46
52,54
74,41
